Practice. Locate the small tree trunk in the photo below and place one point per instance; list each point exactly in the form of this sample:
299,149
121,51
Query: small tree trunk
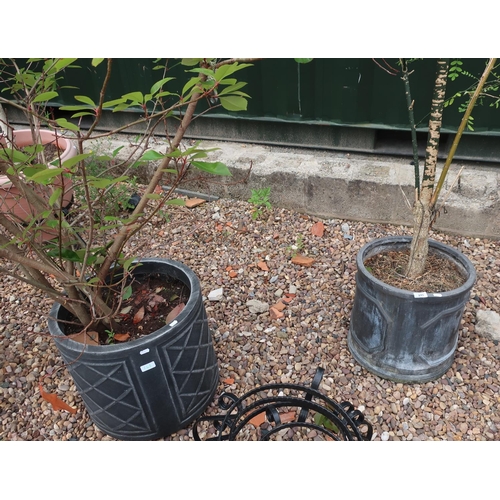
422,209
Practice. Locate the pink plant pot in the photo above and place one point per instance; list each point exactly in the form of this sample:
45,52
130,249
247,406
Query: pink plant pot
12,202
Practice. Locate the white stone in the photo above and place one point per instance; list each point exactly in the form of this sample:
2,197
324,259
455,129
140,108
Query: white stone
257,307
216,294
488,324
384,436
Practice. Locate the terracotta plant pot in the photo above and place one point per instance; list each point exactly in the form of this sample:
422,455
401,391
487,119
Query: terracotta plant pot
12,202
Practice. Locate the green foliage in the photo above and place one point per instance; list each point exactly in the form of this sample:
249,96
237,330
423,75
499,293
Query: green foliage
455,70
110,196
325,422
490,93
90,237
260,200
111,336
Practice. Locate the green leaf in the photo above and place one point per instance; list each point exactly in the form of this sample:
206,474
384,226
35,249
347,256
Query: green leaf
177,202
55,196
53,224
96,61
205,71
158,85
82,113
114,102
199,154
191,82
64,63
63,123
121,107
45,96
13,155
153,196
163,94
216,168
103,183
74,108
234,103
231,88
134,96
127,263
46,175
302,61
116,151
85,100
320,419
66,254
228,69
71,162
152,155
190,62
127,292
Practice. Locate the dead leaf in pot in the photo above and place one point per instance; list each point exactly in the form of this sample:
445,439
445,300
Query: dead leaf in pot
174,312
121,337
89,338
155,300
139,315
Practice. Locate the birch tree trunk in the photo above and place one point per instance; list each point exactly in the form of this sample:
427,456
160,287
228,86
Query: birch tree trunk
422,209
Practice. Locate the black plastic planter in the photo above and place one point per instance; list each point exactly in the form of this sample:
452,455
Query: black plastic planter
153,386
401,335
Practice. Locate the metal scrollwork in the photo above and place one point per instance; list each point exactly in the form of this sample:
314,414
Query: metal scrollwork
284,412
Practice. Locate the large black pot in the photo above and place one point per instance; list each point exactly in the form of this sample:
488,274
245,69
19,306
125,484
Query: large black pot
401,335
153,386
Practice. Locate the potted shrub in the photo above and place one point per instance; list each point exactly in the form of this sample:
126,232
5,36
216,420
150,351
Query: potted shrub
407,330
149,383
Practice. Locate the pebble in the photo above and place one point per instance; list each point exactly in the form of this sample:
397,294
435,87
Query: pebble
216,295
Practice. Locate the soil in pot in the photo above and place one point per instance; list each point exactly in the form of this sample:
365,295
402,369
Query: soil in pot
440,275
154,302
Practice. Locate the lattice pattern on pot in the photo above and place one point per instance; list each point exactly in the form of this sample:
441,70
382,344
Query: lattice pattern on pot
193,365
119,404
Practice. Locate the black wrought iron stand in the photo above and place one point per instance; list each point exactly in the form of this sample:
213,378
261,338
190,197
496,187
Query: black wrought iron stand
285,412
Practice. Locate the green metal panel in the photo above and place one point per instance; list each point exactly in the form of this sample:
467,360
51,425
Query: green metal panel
345,92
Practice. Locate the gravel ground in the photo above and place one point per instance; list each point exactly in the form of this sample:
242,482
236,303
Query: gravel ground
223,245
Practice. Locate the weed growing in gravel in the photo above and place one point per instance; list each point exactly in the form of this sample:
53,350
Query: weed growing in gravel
297,246
260,200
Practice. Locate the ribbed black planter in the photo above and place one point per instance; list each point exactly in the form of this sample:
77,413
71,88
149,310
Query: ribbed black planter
153,386
401,335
